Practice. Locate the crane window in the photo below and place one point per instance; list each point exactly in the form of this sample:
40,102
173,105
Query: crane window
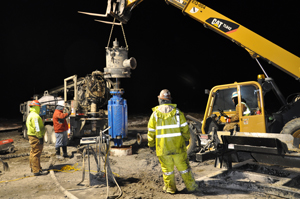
251,95
222,99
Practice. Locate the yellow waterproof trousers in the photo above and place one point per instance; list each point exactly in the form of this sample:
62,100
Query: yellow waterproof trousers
182,164
35,154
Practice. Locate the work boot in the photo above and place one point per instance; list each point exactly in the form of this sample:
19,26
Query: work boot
57,152
41,172
65,155
32,171
169,190
189,182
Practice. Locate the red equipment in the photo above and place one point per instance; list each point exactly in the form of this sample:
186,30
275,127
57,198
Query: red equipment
6,145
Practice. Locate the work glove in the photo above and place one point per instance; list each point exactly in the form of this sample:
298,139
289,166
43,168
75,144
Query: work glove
41,140
228,119
67,110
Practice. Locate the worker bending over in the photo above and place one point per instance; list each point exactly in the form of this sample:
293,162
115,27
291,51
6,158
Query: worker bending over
167,133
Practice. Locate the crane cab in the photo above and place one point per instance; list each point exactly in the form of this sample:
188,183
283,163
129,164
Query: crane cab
220,106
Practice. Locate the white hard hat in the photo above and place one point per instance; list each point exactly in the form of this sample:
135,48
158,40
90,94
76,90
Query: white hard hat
60,103
165,95
234,94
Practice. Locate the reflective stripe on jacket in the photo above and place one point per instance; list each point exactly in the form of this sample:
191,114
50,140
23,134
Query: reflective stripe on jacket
59,121
168,130
34,123
247,111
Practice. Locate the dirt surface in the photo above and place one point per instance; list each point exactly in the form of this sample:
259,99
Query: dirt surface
136,176
6,124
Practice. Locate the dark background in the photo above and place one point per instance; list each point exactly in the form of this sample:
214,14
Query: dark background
43,42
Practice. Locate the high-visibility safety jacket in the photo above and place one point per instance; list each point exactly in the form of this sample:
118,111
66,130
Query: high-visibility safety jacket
168,130
59,121
247,110
34,123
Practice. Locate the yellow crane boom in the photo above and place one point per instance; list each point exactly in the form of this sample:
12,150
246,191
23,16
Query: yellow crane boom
256,45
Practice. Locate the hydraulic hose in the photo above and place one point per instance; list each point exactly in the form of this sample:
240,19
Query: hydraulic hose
107,168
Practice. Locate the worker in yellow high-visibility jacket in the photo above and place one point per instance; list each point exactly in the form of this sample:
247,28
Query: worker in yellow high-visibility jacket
36,133
167,133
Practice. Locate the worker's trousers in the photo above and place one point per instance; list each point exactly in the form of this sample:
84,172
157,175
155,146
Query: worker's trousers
230,126
35,154
182,164
61,139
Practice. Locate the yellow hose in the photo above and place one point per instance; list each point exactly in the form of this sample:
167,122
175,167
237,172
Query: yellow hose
15,179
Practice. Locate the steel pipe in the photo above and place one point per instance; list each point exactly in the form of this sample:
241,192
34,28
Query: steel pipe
141,138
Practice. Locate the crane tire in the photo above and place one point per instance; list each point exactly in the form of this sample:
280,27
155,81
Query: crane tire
24,131
49,134
53,138
293,128
193,145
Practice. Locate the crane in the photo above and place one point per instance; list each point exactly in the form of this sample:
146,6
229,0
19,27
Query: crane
286,121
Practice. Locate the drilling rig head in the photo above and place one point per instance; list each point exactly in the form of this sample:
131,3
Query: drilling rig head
117,63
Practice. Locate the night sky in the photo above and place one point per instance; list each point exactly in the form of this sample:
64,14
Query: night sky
43,42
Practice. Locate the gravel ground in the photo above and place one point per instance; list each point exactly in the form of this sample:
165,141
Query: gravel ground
136,176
